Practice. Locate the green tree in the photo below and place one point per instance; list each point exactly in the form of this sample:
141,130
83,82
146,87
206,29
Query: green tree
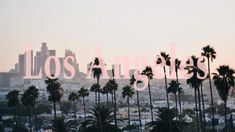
55,91
149,73
29,99
132,81
167,58
177,67
112,86
210,53
97,72
83,93
162,124
224,81
13,101
95,88
73,97
128,92
101,119
174,87
195,83
61,124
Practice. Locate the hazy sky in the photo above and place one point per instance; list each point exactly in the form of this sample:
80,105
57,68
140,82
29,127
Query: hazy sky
119,27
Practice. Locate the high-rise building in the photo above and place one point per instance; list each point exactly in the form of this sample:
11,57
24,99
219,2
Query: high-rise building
75,64
21,64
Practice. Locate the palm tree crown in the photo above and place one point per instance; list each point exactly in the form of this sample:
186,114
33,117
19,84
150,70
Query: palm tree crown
224,81
209,52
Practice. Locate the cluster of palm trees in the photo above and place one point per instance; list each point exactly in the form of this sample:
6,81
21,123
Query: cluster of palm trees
104,115
28,99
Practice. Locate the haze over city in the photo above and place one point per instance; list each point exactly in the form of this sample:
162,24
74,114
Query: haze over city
119,28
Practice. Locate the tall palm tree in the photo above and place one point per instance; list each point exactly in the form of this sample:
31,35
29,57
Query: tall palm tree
97,73
224,82
132,81
195,83
168,63
95,88
174,87
112,86
83,93
106,91
203,105
55,91
162,124
101,119
149,73
210,53
128,92
29,99
13,101
177,67
73,97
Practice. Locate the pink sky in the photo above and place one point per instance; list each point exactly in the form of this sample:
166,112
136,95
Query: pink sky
120,28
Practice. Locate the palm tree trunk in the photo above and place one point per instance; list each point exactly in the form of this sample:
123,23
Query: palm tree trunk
179,96
212,103
177,80
54,105
107,97
36,120
98,82
115,108
203,108
225,115
61,109
195,97
176,104
138,103
15,118
150,100
74,111
112,99
167,96
129,119
30,119
200,110
84,107
96,98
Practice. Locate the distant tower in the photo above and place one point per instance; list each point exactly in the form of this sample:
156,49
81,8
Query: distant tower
21,64
44,49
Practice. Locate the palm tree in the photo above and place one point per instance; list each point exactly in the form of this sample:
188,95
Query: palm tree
128,92
174,87
62,125
224,82
101,119
95,88
168,63
177,67
29,99
162,124
106,91
195,83
149,73
13,101
210,53
55,91
97,71
132,81
73,97
112,86
83,93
